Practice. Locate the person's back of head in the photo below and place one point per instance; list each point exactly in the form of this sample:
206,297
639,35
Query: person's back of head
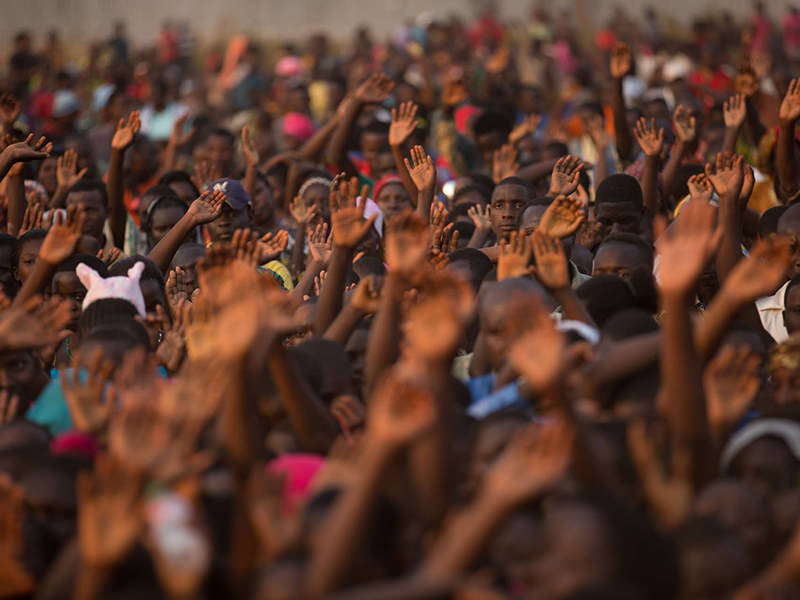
628,323
605,295
768,223
620,188
471,263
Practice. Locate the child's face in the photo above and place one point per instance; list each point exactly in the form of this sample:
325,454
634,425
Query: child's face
164,219
27,258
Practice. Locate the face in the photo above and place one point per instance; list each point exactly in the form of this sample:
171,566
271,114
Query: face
789,225
767,466
383,165
162,220
499,323
317,195
184,190
221,229
531,218
487,144
219,152
263,204
508,203
370,144
47,175
27,258
616,259
791,310
7,281
785,386
618,217
22,374
67,286
91,203
393,200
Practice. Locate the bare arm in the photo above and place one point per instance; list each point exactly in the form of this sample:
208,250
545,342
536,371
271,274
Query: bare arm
15,191
785,158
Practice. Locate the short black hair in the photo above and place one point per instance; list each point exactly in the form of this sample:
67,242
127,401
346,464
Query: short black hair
478,263
620,188
604,296
473,188
178,177
164,197
376,127
33,235
492,121
768,223
645,250
73,261
91,185
151,270
220,132
530,191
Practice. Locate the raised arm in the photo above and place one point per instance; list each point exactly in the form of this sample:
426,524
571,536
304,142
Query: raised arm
788,172
404,122
620,67
122,140
423,173
685,127
734,111
651,141
726,175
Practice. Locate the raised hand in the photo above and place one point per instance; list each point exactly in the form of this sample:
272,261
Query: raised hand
454,92
445,240
179,136
699,188
35,324
375,89
347,217
528,126
670,496
536,458
10,109
27,150
790,105
746,81
206,207
85,398
565,177
63,237
620,61
552,269
172,349
319,282
126,132
761,272
596,126
108,512
538,355
32,219
320,244
249,149
651,141
270,246
302,213
481,216
514,258
684,124
726,175
504,163
67,172
404,122
367,294
204,173
731,382
401,409
421,169
562,218
734,111
110,256
407,243
686,247
177,288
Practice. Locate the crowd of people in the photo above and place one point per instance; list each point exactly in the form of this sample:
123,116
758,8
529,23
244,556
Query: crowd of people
477,310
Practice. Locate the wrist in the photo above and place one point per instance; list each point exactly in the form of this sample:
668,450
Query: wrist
787,124
675,298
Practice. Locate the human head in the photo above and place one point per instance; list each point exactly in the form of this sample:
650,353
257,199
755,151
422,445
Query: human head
532,215
391,196
605,295
491,129
622,255
372,139
789,224
151,281
236,211
473,264
791,306
66,285
315,191
219,150
263,204
181,183
8,283
619,204
161,213
25,253
22,374
509,200
91,198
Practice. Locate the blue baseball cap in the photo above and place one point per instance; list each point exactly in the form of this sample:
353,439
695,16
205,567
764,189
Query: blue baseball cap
235,195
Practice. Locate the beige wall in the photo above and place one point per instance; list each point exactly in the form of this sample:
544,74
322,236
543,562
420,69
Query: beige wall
91,19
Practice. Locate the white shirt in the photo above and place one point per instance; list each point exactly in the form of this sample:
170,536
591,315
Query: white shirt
770,311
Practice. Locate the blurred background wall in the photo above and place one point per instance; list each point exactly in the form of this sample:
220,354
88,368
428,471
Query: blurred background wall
275,19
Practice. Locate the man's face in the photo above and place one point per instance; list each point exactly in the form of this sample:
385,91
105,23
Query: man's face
508,204
615,258
164,219
67,286
791,310
487,144
22,374
618,217
370,144
789,225
91,203
221,229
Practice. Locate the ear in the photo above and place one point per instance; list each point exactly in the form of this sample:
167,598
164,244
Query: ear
87,275
135,272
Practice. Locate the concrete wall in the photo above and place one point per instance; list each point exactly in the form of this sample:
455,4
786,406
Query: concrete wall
278,19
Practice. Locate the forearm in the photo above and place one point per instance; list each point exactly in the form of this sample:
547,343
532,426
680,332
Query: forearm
670,170
330,299
650,184
601,168
400,165
479,237
571,306
116,206
91,582
729,140
59,199
730,248
344,324
383,342
163,252
250,179
622,133
305,284
316,143
310,419
344,529
537,171
754,124
338,141
15,191
786,161
299,250
424,202
36,283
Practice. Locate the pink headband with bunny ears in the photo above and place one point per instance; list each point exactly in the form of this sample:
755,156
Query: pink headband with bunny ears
125,288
